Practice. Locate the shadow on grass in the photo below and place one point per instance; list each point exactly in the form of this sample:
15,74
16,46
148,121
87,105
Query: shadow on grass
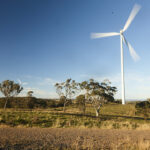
102,116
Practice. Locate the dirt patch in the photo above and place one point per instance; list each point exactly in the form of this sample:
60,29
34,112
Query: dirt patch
58,138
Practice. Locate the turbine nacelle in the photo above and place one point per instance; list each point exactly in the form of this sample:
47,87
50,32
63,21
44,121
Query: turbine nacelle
121,32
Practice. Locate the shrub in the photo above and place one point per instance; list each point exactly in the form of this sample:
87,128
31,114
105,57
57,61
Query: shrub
143,108
31,102
118,101
143,104
51,103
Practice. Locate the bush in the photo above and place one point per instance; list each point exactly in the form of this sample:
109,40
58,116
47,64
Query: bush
2,102
118,101
31,102
143,108
143,104
51,103
40,103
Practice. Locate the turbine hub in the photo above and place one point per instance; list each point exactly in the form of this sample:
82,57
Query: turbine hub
121,31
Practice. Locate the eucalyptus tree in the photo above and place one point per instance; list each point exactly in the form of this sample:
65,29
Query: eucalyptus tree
29,93
10,89
66,90
98,93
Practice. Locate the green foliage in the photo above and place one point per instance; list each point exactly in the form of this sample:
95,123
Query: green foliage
9,89
40,103
81,102
143,108
52,103
31,102
143,105
28,102
50,118
118,101
66,90
29,93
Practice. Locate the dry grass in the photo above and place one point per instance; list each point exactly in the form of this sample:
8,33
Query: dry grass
63,139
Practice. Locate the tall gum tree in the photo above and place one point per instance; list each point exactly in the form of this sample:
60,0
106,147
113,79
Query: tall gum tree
9,89
66,90
98,93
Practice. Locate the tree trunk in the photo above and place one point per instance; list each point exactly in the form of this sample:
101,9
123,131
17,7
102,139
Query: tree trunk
5,103
97,113
84,110
64,109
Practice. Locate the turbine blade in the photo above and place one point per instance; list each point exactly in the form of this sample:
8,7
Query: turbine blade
100,35
133,54
133,13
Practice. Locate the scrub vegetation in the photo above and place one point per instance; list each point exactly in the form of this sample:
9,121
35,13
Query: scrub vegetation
113,116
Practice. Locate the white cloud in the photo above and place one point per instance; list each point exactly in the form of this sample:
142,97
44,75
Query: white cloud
42,87
37,92
47,81
21,83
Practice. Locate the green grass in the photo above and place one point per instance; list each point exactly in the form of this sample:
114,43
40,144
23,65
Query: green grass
112,116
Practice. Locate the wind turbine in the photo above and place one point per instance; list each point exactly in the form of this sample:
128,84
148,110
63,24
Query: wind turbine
134,55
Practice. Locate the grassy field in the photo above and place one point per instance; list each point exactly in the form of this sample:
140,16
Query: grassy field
117,127
112,116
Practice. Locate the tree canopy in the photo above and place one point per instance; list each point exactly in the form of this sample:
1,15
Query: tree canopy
9,89
66,90
98,93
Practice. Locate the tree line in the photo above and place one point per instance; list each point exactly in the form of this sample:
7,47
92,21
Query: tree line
87,92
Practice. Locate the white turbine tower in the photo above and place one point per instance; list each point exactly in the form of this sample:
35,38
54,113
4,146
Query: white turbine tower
133,13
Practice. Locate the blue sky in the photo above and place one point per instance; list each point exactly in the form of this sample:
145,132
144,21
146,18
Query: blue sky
47,41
